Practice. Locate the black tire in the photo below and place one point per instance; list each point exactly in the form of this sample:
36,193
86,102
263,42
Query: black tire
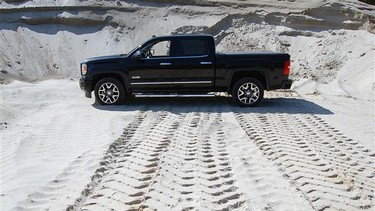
109,91
247,92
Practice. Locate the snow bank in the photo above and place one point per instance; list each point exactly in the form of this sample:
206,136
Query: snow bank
331,44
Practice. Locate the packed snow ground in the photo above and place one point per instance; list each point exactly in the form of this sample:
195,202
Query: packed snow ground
50,135
61,150
307,150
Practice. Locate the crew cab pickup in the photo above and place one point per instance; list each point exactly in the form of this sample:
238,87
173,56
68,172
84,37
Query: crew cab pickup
184,64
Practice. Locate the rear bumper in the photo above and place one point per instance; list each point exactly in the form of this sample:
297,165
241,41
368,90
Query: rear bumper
85,86
286,84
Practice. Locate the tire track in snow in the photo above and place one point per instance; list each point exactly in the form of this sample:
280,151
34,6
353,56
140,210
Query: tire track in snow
264,186
333,172
196,171
131,164
54,193
166,160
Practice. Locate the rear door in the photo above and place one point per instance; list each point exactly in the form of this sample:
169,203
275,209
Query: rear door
193,64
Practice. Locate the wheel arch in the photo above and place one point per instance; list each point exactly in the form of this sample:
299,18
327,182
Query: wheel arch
260,75
117,76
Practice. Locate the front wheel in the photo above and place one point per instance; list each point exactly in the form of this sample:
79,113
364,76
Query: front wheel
109,91
247,92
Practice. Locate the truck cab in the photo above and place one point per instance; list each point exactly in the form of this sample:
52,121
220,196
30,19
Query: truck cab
178,63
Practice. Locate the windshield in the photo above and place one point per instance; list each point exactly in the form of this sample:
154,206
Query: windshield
132,51
136,48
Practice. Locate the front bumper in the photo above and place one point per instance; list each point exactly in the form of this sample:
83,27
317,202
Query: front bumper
286,84
85,86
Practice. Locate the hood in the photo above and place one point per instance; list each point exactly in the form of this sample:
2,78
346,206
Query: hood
105,59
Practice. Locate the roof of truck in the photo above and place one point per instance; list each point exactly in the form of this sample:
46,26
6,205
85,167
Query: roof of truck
183,35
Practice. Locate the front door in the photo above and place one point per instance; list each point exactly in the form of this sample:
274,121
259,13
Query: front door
152,73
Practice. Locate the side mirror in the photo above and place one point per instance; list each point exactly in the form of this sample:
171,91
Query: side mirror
138,56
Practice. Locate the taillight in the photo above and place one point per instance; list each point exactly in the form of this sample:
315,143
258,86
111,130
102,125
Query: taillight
286,67
84,69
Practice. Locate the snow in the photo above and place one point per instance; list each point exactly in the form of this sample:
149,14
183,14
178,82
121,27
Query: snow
49,127
311,148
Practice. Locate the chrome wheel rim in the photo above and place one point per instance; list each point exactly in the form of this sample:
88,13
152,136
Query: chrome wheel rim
108,93
248,93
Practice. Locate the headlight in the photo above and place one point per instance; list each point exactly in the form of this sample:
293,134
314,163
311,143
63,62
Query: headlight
83,69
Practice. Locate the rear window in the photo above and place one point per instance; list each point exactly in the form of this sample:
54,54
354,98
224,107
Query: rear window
191,47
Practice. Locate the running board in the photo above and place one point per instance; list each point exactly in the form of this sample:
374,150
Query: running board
174,95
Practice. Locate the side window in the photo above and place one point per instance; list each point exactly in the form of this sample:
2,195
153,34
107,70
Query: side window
161,49
191,47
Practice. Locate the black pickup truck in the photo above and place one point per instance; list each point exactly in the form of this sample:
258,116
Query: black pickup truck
184,64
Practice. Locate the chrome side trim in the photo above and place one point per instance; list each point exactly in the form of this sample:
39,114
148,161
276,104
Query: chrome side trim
170,83
192,82
206,62
152,83
136,77
165,63
178,57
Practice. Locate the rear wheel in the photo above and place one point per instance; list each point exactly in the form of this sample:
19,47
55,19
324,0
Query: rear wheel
247,92
109,91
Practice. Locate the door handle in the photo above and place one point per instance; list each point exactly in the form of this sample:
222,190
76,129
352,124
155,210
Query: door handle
206,62
165,63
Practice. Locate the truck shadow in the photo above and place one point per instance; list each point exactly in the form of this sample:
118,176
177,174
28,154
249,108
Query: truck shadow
214,104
